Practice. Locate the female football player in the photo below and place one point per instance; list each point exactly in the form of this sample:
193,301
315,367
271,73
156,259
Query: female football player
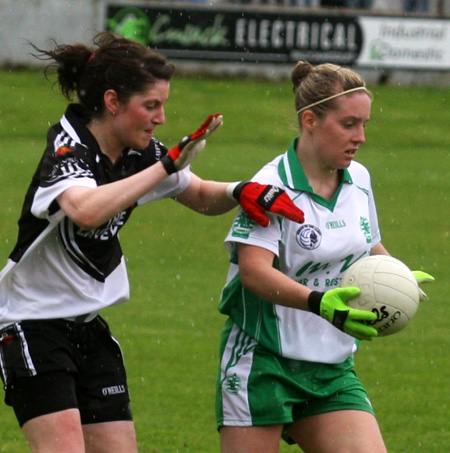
63,371
287,346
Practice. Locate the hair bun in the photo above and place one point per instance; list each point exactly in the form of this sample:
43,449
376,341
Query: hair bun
300,71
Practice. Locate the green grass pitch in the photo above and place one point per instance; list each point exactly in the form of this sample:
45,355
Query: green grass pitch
169,330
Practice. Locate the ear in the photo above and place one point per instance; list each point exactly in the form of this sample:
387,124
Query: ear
111,101
308,120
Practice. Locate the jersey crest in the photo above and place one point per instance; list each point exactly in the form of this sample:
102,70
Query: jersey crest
309,237
63,150
243,225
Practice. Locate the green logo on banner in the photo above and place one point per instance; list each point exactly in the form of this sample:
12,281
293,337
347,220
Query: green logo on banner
134,23
131,23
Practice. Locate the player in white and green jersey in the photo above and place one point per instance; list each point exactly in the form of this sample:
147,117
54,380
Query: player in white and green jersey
288,343
287,346
335,234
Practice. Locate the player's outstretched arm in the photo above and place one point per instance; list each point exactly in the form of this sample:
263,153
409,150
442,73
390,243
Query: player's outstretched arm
214,198
331,305
209,197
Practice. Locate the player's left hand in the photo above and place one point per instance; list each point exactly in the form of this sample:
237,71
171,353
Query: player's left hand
190,146
422,277
257,199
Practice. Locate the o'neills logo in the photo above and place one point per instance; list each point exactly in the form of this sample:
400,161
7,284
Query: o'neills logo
114,390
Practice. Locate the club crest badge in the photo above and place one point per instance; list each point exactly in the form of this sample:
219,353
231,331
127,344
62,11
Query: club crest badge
243,226
232,384
62,150
365,228
309,237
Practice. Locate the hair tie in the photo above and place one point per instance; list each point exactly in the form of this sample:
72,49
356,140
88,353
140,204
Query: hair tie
91,57
330,98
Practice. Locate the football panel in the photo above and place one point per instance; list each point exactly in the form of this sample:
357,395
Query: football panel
388,288
404,298
390,320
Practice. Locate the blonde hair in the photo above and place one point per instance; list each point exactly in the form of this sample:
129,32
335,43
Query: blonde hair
317,87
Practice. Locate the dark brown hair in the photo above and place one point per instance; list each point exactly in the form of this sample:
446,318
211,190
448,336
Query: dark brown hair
113,62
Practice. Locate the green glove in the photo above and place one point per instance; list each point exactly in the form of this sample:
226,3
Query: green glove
331,305
422,277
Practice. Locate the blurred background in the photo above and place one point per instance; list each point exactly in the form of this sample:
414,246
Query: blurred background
403,41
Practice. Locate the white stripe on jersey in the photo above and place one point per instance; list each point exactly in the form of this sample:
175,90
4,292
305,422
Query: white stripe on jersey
287,167
70,130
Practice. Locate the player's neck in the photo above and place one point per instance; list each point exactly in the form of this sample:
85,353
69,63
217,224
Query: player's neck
106,141
323,179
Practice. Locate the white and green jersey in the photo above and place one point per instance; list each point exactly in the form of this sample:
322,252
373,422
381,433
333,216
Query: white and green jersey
334,235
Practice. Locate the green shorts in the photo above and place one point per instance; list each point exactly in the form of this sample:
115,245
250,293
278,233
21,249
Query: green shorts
257,387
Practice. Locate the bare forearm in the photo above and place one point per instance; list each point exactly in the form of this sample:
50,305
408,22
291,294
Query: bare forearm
273,286
379,249
206,197
260,277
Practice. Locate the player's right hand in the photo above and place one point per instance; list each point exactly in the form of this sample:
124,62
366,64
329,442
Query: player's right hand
190,146
331,305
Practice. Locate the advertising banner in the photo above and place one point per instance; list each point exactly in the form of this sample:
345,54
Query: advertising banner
195,32
405,43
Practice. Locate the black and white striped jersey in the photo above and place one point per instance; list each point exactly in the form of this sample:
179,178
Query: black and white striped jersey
57,269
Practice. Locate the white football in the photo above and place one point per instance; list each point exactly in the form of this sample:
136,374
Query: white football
388,288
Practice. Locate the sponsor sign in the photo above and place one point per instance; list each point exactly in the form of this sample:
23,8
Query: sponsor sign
405,43
205,34
195,32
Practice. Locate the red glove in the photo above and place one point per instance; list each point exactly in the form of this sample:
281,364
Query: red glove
257,199
187,150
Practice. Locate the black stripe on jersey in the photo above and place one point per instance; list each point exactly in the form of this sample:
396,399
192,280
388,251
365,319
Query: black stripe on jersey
67,234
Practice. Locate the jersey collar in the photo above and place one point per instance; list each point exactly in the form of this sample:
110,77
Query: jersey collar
74,123
292,174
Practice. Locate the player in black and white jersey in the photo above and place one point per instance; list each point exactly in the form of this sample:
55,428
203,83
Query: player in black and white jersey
63,370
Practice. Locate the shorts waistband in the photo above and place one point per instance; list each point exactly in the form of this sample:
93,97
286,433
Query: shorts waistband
82,318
